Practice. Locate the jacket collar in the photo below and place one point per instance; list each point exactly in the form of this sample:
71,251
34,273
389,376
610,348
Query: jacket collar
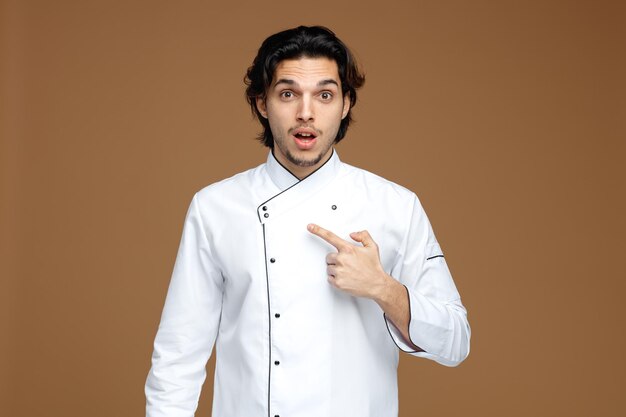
293,191
283,178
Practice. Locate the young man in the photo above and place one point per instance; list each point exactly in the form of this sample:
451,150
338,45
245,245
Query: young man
306,273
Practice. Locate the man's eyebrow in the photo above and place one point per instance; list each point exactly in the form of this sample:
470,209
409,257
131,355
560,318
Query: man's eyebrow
328,81
292,82
285,81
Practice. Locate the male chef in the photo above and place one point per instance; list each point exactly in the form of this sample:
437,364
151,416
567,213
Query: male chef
308,275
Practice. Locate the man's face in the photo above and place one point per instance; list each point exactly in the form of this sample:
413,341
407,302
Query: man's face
304,107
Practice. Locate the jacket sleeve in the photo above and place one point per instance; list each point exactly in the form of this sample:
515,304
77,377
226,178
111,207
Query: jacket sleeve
438,320
188,326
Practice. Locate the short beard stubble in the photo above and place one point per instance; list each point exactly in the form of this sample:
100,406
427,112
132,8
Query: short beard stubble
303,163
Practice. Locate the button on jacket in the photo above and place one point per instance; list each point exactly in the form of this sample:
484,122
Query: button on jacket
250,280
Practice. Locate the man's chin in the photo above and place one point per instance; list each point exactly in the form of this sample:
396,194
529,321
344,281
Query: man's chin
307,164
304,162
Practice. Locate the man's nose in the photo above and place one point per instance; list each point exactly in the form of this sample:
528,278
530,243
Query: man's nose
305,110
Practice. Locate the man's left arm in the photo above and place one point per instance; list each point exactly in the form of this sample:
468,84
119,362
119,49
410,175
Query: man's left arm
426,316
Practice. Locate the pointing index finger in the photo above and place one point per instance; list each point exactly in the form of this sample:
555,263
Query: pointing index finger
327,235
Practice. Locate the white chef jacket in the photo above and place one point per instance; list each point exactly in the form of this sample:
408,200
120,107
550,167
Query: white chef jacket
251,280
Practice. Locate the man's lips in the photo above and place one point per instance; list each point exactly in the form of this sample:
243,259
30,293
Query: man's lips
304,137
304,133
304,143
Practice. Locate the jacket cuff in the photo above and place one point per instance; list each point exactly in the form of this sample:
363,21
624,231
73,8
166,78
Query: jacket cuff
428,329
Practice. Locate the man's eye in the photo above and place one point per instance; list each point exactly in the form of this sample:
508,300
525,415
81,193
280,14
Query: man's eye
286,94
326,96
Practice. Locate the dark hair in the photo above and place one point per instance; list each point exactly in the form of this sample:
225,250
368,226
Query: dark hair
303,41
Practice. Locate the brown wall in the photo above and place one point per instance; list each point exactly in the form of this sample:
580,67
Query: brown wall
507,119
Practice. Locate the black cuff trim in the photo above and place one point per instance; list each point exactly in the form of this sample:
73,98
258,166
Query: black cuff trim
410,318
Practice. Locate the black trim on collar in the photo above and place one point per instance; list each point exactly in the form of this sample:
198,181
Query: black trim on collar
294,175
290,187
284,167
319,167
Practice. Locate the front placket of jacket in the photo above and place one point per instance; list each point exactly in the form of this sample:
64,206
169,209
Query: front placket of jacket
301,200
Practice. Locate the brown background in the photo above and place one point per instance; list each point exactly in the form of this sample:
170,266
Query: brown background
507,119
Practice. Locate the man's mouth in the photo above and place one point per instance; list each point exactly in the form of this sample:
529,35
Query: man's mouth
304,133
304,138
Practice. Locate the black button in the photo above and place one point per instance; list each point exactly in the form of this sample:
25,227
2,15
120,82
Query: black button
276,415
277,315
334,207
266,215
272,260
264,208
276,363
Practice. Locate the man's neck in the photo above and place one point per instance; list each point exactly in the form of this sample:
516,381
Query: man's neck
299,171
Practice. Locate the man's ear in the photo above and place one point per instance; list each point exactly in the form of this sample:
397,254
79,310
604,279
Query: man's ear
346,106
261,107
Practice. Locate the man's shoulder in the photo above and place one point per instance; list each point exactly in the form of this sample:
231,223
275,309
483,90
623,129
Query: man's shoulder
375,183
240,183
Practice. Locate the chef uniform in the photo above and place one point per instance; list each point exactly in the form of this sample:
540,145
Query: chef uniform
251,280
